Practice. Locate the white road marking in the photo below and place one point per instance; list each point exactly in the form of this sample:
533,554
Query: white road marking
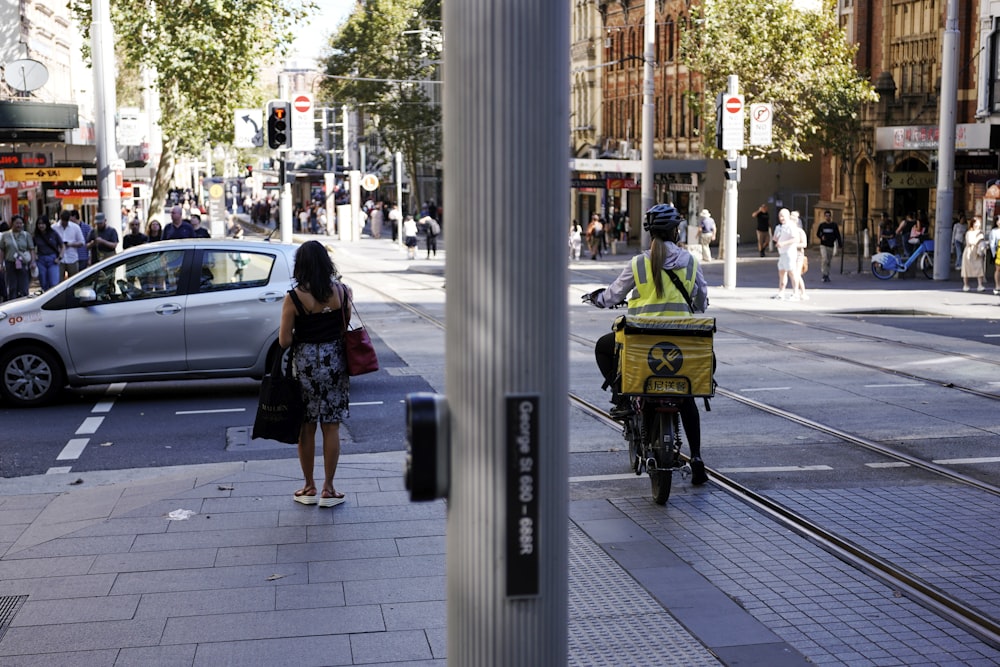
898,384
369,403
604,478
58,470
208,412
89,426
766,389
889,464
73,449
104,406
777,469
984,459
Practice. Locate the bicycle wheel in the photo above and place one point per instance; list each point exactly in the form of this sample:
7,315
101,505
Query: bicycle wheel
633,434
663,451
882,273
927,264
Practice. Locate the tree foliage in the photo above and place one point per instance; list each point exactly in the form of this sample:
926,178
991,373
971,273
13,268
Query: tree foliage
205,57
796,59
395,45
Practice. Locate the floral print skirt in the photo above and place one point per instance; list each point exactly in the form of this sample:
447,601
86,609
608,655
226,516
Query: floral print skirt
322,374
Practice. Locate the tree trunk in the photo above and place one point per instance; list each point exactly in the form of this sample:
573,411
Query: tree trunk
161,182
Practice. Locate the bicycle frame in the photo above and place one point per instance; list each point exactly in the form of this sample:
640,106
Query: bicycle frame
885,264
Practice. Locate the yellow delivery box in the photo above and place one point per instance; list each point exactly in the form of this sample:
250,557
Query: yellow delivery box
664,356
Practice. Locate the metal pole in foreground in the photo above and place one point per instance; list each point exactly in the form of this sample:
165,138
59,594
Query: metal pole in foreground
506,110
946,145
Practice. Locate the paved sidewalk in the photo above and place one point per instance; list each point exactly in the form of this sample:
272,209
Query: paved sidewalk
215,565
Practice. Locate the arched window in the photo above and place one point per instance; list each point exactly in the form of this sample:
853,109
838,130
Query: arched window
669,27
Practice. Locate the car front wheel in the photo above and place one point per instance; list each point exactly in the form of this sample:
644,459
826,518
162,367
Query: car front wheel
29,376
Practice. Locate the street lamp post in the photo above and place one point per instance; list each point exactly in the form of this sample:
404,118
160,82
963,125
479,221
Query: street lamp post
646,193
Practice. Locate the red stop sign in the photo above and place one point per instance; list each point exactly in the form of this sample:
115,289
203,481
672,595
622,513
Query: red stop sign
302,104
734,105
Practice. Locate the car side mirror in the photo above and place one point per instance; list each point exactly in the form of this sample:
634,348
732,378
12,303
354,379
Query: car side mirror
85,294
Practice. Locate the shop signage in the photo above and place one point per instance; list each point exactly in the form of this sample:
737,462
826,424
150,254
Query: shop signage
587,183
25,160
903,180
43,174
622,184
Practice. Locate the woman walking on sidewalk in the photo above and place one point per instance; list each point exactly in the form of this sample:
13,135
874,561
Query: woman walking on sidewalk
972,261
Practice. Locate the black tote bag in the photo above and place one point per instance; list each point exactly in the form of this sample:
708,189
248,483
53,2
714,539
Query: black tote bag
280,409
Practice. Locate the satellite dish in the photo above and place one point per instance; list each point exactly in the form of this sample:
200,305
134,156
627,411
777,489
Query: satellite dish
25,74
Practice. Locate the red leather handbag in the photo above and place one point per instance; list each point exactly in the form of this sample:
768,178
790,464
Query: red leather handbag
360,352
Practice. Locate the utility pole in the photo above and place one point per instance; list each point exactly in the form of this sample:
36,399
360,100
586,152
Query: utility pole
109,167
648,54
946,145
507,531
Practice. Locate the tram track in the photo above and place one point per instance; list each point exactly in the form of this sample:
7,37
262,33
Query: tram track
949,607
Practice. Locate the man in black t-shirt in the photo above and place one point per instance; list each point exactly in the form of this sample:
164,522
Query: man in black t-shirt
829,238
763,228
134,236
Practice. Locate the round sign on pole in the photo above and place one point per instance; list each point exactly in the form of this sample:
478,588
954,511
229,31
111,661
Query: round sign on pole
302,103
734,105
369,182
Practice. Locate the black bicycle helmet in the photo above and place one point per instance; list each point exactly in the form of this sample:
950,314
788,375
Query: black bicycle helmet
662,220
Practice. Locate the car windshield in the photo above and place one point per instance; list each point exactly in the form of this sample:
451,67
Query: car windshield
146,276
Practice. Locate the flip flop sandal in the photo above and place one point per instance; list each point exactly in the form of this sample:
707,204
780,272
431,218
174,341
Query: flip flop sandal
335,499
304,497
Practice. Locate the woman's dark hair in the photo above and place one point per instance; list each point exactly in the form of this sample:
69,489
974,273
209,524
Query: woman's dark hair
43,219
314,270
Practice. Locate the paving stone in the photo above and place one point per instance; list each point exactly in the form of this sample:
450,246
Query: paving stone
57,588
392,529
76,610
411,589
414,615
68,659
238,537
146,561
228,556
307,652
81,636
270,625
420,546
134,527
339,550
387,647
57,566
180,655
376,568
210,578
312,596
206,603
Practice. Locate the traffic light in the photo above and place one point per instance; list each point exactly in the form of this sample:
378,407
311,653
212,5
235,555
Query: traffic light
279,135
733,170
249,171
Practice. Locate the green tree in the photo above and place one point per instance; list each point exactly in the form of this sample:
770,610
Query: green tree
378,59
798,60
204,56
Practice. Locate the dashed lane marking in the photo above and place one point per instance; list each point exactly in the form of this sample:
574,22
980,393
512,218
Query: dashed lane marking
888,464
953,462
58,470
896,384
73,449
89,426
766,389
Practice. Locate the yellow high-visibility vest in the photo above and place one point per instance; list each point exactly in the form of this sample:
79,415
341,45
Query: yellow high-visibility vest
643,300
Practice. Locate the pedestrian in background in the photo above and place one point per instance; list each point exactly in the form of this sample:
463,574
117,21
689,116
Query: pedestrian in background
958,231
972,260
83,255
49,246
410,236
154,232
763,228
17,256
993,240
395,221
801,242
103,239
829,238
314,316
431,231
593,244
786,240
73,241
135,236
199,231
575,241
706,234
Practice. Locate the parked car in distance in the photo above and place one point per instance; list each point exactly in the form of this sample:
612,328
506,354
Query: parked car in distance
173,310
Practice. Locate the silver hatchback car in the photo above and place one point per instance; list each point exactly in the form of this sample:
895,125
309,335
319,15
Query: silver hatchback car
173,310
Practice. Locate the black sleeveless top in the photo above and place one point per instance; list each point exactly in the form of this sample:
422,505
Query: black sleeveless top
323,327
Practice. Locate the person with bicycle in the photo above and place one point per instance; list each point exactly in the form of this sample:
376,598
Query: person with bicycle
655,294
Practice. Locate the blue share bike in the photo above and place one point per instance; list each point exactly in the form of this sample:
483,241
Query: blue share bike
885,265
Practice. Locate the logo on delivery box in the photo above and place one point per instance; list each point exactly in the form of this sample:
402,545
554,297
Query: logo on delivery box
665,358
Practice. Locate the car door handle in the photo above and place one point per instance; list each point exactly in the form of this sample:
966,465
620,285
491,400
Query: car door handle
270,297
168,309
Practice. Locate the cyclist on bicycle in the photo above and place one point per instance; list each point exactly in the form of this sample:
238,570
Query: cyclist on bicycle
654,293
